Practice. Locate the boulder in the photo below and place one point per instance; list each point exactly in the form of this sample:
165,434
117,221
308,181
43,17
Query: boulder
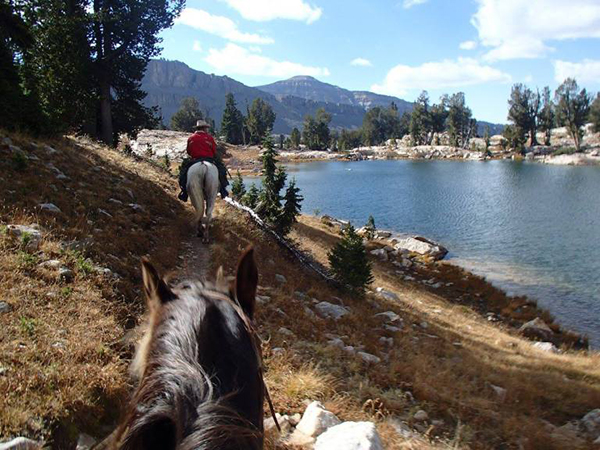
590,424
50,207
380,253
537,329
5,307
29,234
330,311
85,442
280,278
386,294
388,317
422,246
316,419
368,358
350,436
421,416
546,347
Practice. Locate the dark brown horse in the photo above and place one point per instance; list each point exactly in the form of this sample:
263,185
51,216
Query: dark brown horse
199,367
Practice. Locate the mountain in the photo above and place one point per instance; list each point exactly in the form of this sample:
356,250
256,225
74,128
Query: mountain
312,89
169,82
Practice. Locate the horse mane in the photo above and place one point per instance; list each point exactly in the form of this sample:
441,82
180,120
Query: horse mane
176,405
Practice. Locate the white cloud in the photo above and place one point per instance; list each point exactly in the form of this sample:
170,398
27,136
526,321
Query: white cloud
361,62
233,59
438,75
197,47
587,71
219,26
520,28
265,10
406,4
468,45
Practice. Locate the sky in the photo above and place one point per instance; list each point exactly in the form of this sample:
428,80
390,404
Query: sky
396,47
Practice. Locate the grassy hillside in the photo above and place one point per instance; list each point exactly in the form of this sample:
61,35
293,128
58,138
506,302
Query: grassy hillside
63,340
66,340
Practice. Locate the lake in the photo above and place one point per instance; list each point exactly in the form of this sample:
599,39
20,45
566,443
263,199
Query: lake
529,228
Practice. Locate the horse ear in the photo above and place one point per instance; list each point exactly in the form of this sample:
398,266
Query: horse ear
246,281
154,286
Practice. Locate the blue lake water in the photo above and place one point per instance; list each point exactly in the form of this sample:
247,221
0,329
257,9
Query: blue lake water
531,229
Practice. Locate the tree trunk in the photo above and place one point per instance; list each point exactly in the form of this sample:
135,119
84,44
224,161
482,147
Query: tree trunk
106,125
534,140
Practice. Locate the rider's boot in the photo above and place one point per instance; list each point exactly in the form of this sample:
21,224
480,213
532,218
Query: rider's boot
183,195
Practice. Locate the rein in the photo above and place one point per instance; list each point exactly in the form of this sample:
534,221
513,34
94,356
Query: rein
256,344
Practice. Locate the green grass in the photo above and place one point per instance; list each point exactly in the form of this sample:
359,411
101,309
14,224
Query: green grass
28,325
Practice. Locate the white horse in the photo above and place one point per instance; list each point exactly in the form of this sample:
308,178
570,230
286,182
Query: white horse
202,186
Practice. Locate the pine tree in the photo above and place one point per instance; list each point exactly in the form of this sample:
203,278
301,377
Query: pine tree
348,261
420,120
238,190
232,124
291,209
260,120
295,138
546,118
572,108
250,199
524,108
370,228
269,204
188,114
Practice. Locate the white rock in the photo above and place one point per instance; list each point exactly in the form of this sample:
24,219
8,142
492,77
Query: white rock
20,443
367,357
421,246
50,207
316,419
51,264
85,442
421,416
350,436
546,347
285,331
380,253
280,278
299,439
29,232
388,316
330,311
591,423
386,294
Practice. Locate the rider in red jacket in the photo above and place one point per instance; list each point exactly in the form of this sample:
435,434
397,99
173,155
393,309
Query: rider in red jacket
201,146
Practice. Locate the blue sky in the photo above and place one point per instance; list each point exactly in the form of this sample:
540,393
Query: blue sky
401,47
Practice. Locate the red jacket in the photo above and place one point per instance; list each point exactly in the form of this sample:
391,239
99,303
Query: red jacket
201,144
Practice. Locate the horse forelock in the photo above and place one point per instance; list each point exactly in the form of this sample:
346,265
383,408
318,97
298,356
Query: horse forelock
183,381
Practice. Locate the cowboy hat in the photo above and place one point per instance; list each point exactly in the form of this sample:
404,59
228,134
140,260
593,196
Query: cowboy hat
202,124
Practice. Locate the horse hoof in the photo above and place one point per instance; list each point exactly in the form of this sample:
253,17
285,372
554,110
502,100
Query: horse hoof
205,240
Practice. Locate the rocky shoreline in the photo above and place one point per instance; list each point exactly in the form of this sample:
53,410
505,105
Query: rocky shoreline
420,261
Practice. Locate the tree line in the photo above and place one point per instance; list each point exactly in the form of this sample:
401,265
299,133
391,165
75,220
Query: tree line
77,65
531,111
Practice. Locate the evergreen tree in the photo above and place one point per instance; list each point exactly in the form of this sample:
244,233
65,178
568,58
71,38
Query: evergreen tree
546,118
260,120
232,124
188,114
295,138
15,38
348,261
238,190
515,138
291,209
439,114
595,114
269,204
524,107
370,228
251,198
420,120
572,108
460,122
315,132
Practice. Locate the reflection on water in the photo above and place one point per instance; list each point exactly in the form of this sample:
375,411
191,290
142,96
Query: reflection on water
529,228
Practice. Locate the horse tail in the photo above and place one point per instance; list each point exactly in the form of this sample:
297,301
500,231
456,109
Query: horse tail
195,188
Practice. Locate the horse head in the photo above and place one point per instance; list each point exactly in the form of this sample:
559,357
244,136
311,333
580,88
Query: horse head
198,365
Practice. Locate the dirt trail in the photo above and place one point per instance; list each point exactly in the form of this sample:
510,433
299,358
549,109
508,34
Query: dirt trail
195,261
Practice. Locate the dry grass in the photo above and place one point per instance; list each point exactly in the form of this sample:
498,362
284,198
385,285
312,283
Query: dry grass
446,368
62,345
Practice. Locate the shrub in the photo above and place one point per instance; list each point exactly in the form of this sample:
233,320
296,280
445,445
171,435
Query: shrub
349,262
238,190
